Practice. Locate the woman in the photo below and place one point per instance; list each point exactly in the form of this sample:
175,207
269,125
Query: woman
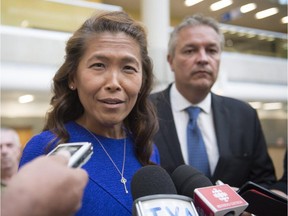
101,96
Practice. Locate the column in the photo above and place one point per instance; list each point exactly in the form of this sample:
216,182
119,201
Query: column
155,14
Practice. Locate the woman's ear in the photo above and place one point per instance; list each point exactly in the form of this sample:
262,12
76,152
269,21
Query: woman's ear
71,84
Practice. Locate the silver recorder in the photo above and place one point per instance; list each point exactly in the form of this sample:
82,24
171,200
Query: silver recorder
80,152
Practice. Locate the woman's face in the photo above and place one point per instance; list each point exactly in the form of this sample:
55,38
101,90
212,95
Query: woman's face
108,78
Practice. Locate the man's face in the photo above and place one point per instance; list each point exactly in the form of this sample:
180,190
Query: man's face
10,151
196,59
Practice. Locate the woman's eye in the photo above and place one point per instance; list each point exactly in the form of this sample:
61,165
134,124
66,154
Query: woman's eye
129,69
97,65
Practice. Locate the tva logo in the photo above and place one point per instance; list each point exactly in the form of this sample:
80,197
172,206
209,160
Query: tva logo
166,211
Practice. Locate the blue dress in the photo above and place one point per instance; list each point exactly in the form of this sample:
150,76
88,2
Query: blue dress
104,193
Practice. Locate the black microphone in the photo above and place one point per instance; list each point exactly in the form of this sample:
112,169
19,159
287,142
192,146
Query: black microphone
186,179
209,199
154,194
150,180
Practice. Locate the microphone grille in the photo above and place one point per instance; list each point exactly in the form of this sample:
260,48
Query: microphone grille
151,180
187,179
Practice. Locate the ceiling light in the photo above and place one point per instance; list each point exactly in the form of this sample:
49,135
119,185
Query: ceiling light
284,20
232,30
86,4
262,36
241,34
251,34
24,24
270,38
256,104
189,3
248,7
266,13
272,106
220,4
26,98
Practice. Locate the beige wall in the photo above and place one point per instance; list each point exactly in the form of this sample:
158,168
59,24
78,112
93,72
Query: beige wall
277,155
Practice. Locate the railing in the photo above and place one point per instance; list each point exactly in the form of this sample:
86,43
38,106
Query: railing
254,41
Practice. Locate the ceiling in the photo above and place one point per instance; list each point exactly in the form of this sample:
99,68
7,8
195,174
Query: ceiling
62,15
178,10
43,14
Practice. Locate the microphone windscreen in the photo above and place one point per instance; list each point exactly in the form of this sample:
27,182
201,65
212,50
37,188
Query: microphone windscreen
151,180
186,179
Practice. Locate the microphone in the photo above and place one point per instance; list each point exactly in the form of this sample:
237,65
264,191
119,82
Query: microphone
209,199
154,194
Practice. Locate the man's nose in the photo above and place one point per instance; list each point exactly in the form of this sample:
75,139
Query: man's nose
202,56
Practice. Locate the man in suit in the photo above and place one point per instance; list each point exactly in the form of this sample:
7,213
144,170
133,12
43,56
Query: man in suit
230,128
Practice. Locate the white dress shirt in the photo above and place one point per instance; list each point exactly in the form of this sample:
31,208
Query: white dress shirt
204,121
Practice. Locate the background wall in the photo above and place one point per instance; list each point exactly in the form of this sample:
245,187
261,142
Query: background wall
33,35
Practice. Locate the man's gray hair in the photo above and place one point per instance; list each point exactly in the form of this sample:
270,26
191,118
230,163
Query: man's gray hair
194,20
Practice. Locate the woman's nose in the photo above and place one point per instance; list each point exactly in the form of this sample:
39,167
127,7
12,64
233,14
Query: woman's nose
113,81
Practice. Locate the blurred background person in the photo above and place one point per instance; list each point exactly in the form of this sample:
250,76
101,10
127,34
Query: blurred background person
101,96
10,149
230,144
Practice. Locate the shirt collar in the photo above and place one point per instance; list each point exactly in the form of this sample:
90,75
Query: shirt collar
179,103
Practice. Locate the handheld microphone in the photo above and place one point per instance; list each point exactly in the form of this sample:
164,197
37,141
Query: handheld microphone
209,199
154,194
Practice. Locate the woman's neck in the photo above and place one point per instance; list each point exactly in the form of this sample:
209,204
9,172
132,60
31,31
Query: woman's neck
113,131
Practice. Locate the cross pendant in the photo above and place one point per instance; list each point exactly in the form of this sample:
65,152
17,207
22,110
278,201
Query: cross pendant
123,181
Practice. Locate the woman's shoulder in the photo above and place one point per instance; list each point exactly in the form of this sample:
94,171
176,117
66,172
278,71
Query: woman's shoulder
36,146
41,143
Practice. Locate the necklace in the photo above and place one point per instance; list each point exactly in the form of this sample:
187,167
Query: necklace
123,180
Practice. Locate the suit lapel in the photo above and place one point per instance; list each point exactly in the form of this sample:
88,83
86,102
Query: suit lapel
221,119
168,128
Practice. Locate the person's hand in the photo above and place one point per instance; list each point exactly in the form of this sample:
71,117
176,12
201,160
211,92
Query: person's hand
46,187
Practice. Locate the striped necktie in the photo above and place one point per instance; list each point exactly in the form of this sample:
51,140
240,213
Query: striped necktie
196,148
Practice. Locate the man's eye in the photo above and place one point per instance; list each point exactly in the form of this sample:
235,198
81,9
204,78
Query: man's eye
212,50
9,145
189,51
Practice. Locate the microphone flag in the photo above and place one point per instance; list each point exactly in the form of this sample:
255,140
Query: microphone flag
218,200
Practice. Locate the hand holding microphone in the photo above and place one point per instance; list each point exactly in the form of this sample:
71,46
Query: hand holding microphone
45,186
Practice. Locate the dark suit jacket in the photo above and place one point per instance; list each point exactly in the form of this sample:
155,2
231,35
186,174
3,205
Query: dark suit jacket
243,152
